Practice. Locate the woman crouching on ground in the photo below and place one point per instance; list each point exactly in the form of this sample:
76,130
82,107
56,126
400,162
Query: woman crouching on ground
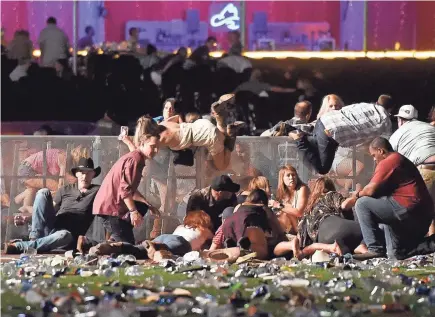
324,225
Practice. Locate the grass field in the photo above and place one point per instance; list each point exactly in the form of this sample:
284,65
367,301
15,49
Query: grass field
13,303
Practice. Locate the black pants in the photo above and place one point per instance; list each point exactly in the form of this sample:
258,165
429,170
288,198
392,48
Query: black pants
426,246
346,232
319,149
120,230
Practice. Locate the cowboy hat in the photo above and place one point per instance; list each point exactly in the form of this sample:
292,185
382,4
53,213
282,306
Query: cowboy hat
229,255
86,165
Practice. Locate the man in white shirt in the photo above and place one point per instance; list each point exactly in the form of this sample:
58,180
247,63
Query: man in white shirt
352,125
416,141
53,43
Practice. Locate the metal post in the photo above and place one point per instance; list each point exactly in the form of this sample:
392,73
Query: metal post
243,22
75,37
365,26
354,168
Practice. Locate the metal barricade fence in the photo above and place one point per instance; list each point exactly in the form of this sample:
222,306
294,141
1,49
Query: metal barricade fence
164,184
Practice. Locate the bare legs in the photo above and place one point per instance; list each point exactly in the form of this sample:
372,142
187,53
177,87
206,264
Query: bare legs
294,246
222,160
344,168
219,111
27,197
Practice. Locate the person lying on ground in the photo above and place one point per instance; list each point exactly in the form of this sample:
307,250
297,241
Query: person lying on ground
192,235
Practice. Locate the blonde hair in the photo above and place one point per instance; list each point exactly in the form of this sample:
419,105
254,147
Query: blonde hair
325,104
78,152
260,182
283,192
145,125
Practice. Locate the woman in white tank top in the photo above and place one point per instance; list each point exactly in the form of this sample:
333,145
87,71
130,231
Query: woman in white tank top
190,236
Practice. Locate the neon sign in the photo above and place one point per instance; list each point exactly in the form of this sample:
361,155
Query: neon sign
229,17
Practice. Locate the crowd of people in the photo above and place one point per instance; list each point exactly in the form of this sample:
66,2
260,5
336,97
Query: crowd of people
134,80
390,215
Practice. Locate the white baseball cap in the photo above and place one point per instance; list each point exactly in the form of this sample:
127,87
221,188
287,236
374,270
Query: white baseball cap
407,112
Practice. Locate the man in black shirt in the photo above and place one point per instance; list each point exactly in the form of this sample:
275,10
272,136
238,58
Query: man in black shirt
215,198
201,54
58,222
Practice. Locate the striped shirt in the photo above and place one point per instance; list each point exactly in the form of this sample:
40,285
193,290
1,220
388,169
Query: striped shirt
357,124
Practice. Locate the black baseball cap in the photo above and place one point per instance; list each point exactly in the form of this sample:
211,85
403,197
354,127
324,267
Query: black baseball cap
224,183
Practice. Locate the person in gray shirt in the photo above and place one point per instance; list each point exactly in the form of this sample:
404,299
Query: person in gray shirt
416,141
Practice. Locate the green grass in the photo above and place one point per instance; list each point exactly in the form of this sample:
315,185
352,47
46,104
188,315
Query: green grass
68,283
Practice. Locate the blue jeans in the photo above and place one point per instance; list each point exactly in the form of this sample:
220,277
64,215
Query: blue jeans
176,244
43,215
403,229
319,149
55,240
45,236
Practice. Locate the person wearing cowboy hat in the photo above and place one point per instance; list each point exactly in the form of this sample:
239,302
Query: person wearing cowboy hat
58,222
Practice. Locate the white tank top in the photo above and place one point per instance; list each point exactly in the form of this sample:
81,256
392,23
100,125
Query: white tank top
187,233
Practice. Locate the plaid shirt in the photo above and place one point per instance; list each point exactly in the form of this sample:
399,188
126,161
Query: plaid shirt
219,238
357,123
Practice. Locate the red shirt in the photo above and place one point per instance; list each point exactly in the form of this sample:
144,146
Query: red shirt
218,238
400,179
122,181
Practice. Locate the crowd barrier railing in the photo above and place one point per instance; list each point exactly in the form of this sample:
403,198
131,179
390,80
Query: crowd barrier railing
164,184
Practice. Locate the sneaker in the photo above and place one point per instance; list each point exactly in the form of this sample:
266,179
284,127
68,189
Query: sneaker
11,248
368,255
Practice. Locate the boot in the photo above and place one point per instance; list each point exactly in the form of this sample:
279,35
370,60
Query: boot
157,228
83,244
234,128
219,109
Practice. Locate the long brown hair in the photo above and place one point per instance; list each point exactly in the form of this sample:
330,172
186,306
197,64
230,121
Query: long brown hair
282,191
197,220
321,186
259,182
